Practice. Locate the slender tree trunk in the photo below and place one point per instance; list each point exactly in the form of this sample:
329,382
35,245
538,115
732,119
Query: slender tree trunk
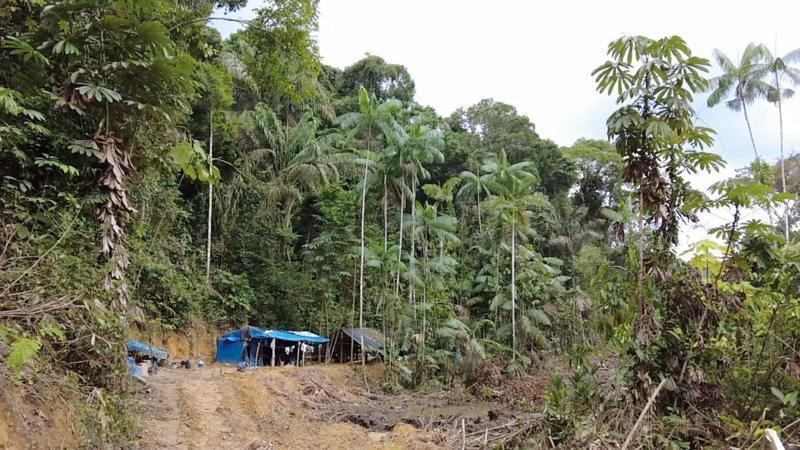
645,326
385,315
499,281
425,304
639,319
480,224
385,249
210,193
749,129
385,216
412,255
353,313
361,268
400,242
513,293
640,272
783,162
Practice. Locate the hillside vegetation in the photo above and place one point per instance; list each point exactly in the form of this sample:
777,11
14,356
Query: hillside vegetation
154,176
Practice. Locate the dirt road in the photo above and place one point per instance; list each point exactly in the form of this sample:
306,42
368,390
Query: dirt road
320,407
299,408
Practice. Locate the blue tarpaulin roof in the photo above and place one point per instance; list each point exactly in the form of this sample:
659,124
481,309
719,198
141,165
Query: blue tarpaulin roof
231,347
141,347
311,337
257,333
295,337
247,332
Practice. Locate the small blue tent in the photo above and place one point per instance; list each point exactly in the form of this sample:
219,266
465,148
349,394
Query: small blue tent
244,344
231,347
135,346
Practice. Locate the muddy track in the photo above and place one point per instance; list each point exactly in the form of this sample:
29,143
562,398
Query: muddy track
261,409
315,407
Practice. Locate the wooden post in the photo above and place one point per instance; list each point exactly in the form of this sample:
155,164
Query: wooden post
352,347
272,362
258,347
297,362
330,347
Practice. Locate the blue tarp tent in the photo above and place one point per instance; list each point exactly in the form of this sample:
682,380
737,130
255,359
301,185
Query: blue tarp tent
231,348
147,349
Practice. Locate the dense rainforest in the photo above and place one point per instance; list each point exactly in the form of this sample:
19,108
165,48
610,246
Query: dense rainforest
155,174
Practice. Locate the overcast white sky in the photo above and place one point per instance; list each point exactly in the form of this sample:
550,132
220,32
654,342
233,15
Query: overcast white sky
538,56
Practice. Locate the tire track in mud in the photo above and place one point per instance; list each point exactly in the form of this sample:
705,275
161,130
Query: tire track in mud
198,411
201,404
162,421
270,408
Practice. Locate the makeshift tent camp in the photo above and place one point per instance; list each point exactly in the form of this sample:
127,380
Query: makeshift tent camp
231,347
260,347
311,337
345,343
142,350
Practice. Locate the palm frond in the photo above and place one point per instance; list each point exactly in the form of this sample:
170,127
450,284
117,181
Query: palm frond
349,120
793,74
723,61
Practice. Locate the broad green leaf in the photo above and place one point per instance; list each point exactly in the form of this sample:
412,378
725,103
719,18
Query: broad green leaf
182,154
22,351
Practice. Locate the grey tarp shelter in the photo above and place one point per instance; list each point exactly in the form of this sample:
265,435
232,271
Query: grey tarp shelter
345,343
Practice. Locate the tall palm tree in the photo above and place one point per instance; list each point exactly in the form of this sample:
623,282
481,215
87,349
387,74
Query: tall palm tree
473,185
431,226
512,192
573,229
781,67
210,191
393,166
291,159
371,117
443,194
422,147
283,163
744,81
390,169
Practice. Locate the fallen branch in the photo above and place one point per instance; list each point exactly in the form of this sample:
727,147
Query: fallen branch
516,421
463,435
763,434
639,421
36,310
753,429
499,427
773,439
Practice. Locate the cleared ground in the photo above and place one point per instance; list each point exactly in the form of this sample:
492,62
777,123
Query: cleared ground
290,407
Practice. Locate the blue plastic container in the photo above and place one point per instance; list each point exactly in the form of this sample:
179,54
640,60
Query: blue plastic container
136,371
